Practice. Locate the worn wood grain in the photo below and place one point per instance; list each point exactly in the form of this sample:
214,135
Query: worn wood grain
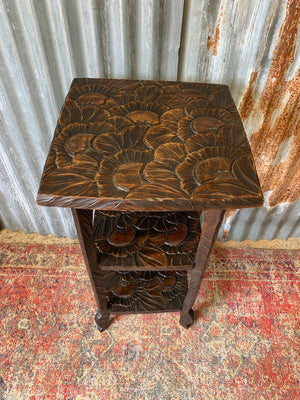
146,241
145,291
84,225
211,223
138,145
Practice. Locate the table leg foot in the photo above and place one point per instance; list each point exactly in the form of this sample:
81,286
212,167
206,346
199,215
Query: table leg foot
102,321
186,318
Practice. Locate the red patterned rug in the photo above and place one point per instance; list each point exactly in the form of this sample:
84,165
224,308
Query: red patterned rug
244,345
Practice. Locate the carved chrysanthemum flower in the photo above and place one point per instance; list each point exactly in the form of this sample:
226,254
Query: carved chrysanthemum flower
203,120
204,165
140,112
73,112
179,125
179,239
160,175
146,239
136,172
121,173
146,94
228,135
62,179
141,107
145,291
166,131
91,94
95,138
124,245
214,171
77,138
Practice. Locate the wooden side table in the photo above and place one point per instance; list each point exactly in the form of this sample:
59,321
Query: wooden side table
138,162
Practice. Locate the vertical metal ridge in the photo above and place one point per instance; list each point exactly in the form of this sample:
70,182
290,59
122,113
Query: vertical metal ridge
172,34
94,47
115,20
146,33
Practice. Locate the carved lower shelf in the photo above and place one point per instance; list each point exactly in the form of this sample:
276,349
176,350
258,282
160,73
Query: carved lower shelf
146,241
143,292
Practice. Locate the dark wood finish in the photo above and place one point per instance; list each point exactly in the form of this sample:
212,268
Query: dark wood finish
84,225
127,292
138,161
211,223
147,145
145,241
145,291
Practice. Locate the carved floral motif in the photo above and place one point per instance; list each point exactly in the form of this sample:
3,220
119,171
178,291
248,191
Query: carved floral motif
146,240
139,140
145,291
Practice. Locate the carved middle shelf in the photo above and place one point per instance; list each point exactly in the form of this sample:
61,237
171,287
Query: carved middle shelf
146,256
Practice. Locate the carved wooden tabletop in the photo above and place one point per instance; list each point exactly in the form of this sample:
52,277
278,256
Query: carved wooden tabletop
148,145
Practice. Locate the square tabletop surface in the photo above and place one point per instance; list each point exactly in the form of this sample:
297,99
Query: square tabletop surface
149,146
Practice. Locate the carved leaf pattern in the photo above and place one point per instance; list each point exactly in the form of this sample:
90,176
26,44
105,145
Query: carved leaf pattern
146,240
145,291
142,140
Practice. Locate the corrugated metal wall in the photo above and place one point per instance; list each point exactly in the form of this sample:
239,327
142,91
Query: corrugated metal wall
253,46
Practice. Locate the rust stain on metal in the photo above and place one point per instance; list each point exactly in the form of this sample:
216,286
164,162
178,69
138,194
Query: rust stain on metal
228,215
278,173
247,103
225,233
214,42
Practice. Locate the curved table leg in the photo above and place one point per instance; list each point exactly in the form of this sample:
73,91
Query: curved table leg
211,224
84,225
